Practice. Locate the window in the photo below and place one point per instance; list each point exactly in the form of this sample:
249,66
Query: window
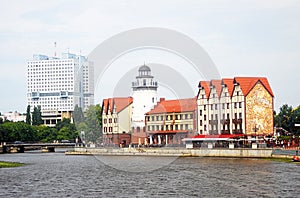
110,129
181,127
186,127
171,117
115,120
216,106
200,112
191,116
205,127
235,105
152,118
223,106
110,120
186,116
240,104
105,129
240,115
138,129
166,117
212,117
157,118
235,115
105,121
167,127
204,117
201,123
176,127
152,127
227,115
216,116
212,107
227,105
204,107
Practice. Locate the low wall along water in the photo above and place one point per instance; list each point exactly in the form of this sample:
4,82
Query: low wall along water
179,152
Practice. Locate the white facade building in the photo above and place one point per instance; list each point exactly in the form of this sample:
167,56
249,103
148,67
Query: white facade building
13,116
144,96
58,84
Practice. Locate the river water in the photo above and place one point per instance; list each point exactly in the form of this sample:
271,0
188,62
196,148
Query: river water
58,175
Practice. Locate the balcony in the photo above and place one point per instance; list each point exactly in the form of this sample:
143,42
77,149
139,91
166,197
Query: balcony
225,121
213,122
237,121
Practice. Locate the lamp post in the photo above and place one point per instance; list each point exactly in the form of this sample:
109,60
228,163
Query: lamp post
255,130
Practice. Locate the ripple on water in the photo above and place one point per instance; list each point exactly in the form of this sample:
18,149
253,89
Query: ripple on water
57,175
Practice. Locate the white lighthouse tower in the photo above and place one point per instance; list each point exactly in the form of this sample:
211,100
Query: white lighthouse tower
144,96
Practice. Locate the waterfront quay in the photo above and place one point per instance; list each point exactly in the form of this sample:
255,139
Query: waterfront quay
184,152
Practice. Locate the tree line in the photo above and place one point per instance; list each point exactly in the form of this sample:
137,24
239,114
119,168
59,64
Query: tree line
286,119
33,130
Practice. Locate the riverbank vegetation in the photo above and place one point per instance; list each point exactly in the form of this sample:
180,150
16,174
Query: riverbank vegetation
285,120
67,129
10,164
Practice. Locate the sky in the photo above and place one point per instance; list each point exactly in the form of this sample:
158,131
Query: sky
243,38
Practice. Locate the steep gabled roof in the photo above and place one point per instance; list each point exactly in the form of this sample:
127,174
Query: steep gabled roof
247,83
119,103
218,85
174,106
105,105
230,85
206,87
122,103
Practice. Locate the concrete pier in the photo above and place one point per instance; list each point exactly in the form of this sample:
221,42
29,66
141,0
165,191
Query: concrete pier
179,152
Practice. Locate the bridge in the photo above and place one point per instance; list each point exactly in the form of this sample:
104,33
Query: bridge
45,147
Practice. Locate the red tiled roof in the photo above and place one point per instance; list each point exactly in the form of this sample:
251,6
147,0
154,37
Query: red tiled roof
122,103
218,85
176,106
230,85
247,83
206,87
119,103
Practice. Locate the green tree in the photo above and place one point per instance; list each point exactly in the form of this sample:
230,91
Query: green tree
287,118
66,130
78,115
28,115
93,122
37,116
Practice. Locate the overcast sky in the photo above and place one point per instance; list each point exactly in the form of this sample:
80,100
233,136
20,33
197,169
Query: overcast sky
243,38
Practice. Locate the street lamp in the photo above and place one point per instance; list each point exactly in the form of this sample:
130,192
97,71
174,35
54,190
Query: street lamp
255,130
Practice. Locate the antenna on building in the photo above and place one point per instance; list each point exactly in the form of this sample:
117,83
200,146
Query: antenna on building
55,49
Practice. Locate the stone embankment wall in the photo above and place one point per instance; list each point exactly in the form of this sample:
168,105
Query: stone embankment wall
180,152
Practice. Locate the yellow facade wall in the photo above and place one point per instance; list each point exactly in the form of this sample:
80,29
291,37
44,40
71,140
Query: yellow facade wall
259,111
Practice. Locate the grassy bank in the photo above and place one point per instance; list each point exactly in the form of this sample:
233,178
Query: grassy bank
10,164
